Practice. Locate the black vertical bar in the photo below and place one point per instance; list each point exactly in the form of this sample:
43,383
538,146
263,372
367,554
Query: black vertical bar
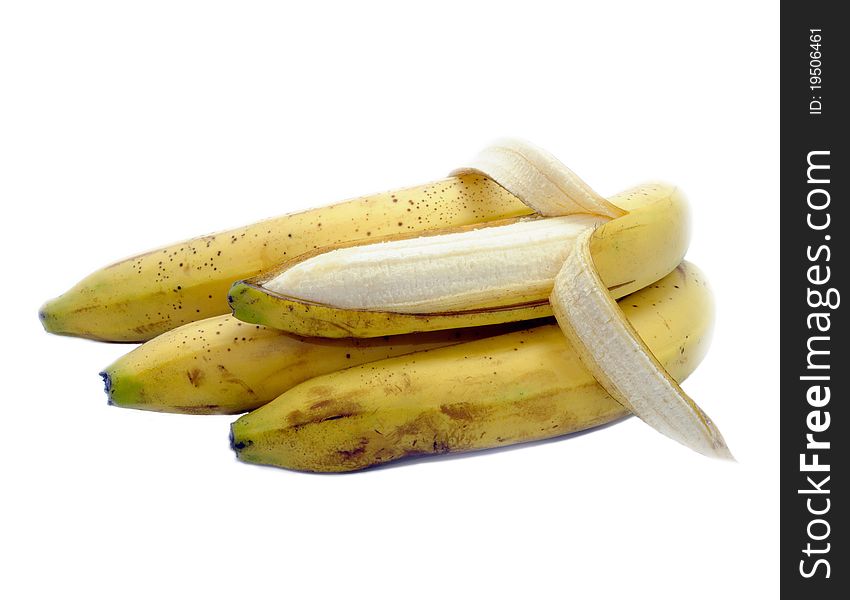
814,219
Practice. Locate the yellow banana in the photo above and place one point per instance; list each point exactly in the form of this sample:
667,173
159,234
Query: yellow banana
507,389
140,297
224,366
630,251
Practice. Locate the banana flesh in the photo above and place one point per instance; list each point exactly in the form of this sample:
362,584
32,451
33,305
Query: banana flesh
138,298
224,366
631,251
439,273
507,389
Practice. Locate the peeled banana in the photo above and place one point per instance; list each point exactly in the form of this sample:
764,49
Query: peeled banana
138,298
464,276
223,366
507,389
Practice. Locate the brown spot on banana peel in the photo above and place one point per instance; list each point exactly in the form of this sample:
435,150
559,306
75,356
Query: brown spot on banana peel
398,387
349,454
320,412
198,409
229,377
195,376
464,411
147,328
321,404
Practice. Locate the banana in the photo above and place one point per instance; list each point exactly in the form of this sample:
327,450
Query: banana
138,298
223,366
464,276
507,389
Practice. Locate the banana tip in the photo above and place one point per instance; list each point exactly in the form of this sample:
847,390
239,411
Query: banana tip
53,317
46,318
238,446
726,454
107,387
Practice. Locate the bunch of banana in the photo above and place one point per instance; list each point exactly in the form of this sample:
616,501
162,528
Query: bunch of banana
401,324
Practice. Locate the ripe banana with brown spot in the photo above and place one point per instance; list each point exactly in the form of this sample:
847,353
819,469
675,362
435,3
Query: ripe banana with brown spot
223,366
464,276
138,298
507,389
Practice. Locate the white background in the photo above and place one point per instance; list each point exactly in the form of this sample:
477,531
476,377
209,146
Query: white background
125,126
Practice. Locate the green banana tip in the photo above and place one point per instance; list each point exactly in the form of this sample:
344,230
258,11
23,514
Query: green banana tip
46,317
238,446
54,318
234,291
